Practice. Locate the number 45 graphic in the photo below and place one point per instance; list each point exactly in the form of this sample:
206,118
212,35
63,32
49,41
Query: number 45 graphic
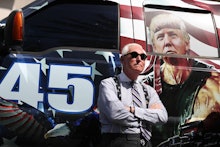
22,81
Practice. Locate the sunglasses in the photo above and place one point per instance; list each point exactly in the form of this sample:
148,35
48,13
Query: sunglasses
135,54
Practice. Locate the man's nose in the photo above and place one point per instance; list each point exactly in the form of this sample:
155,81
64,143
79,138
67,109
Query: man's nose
138,58
167,40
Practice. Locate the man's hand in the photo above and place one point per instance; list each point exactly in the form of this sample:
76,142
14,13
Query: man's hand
130,109
155,106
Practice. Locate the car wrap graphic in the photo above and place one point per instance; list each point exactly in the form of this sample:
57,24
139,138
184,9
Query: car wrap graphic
49,97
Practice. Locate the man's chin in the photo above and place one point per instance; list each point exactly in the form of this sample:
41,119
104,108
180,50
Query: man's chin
139,69
171,60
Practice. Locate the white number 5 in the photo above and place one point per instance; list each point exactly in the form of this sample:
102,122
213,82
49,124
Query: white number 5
61,78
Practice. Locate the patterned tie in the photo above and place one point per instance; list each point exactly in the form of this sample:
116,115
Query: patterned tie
135,95
137,102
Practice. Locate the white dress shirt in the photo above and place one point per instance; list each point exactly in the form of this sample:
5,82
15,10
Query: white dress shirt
115,118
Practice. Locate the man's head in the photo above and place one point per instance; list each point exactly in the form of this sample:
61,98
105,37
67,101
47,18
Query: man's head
169,35
133,60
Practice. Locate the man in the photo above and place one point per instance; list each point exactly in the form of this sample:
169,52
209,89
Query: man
122,121
187,94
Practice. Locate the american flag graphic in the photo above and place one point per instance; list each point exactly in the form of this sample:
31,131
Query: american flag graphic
132,16
135,18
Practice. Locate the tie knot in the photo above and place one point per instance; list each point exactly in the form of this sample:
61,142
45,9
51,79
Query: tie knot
133,84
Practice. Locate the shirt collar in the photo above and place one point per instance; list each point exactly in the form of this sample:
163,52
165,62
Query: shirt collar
124,78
